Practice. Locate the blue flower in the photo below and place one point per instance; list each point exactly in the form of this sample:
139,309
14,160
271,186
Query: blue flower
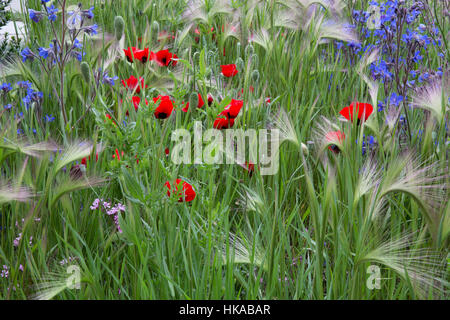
36,16
424,77
381,71
24,84
109,80
44,52
91,30
395,99
27,54
88,13
49,118
77,44
32,96
52,13
8,106
6,87
417,57
78,55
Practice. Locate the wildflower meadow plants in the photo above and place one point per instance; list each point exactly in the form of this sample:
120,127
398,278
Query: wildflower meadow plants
354,111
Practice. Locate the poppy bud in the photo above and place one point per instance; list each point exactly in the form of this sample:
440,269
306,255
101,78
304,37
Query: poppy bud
240,64
86,71
238,49
119,26
249,50
193,99
255,76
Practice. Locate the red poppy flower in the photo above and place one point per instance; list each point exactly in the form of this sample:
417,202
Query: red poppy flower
199,105
132,83
267,100
164,58
210,100
136,101
223,122
164,108
142,55
232,110
335,137
229,70
166,151
129,53
133,52
364,110
187,194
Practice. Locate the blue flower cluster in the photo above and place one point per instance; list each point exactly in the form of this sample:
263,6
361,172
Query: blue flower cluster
50,12
403,43
368,143
5,88
394,100
31,96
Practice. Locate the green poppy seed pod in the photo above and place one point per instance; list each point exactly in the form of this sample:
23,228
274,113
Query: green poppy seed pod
193,100
255,76
255,61
240,64
249,50
86,71
119,27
